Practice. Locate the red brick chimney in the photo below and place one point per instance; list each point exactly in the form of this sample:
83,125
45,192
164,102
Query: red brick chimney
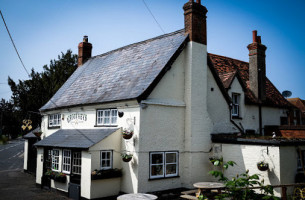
84,51
195,21
257,67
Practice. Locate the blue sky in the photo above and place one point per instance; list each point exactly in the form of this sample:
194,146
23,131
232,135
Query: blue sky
43,29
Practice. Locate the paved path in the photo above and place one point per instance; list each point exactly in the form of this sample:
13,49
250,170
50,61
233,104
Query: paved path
14,183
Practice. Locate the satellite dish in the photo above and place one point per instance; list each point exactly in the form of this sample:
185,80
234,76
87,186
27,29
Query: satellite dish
286,93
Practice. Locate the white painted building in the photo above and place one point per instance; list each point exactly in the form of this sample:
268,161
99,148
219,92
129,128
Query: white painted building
172,95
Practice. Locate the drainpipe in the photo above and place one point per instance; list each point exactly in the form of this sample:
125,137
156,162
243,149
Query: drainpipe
233,122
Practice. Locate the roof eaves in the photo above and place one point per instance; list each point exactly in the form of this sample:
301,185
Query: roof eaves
218,81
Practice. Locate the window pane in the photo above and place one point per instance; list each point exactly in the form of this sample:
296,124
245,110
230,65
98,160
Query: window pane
157,170
170,157
157,158
171,169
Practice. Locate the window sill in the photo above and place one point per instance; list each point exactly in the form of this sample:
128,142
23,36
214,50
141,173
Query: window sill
236,117
53,127
152,179
105,125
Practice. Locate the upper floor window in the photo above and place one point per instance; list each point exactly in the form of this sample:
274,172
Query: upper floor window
107,117
163,164
235,104
106,159
54,120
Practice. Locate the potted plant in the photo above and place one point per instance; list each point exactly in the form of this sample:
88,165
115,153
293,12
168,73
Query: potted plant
105,174
127,134
38,133
60,177
262,166
126,157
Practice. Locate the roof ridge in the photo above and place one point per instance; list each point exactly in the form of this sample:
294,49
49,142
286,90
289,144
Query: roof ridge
137,43
228,57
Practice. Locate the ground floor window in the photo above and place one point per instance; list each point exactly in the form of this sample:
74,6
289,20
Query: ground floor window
301,159
55,159
66,161
77,163
163,164
106,159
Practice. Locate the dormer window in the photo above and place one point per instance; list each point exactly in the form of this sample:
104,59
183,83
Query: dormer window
107,117
235,104
54,120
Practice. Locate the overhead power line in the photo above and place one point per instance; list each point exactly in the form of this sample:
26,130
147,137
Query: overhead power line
153,16
14,44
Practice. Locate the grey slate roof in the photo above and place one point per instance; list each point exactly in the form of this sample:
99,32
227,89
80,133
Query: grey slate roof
121,74
75,138
31,134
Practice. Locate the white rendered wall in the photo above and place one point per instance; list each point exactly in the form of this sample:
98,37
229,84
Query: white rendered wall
25,154
247,157
198,124
106,187
39,169
271,116
85,183
218,108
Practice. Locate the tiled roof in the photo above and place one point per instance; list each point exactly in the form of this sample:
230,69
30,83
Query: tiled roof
227,68
299,103
121,74
31,134
75,138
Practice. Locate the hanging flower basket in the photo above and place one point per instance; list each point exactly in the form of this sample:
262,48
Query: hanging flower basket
126,157
127,134
262,166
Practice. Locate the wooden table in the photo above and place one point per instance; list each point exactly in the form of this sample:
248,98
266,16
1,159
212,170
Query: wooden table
138,196
208,186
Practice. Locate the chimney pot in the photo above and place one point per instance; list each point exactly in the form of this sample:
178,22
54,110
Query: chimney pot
198,1
85,39
254,34
259,39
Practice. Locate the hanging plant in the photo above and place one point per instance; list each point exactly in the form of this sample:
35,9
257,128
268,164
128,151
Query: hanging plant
126,157
262,166
127,134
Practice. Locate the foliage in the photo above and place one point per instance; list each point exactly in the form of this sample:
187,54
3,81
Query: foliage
126,155
239,187
8,117
127,132
28,96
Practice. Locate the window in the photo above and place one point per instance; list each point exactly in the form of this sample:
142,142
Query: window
55,159
54,120
66,163
299,161
107,117
235,104
163,164
106,159
77,163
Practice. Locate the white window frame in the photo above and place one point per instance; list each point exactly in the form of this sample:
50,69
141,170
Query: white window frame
55,160
66,161
106,159
77,162
163,164
107,117
54,120
235,105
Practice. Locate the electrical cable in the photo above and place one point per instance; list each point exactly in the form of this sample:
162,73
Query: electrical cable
14,44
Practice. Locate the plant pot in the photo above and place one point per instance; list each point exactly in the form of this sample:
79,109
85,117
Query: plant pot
37,134
127,159
263,168
127,136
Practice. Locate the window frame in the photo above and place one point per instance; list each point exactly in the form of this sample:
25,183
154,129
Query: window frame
77,165
164,164
107,159
64,159
53,160
235,105
100,118
51,123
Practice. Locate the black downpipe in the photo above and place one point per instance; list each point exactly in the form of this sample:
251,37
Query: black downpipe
233,122
260,119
